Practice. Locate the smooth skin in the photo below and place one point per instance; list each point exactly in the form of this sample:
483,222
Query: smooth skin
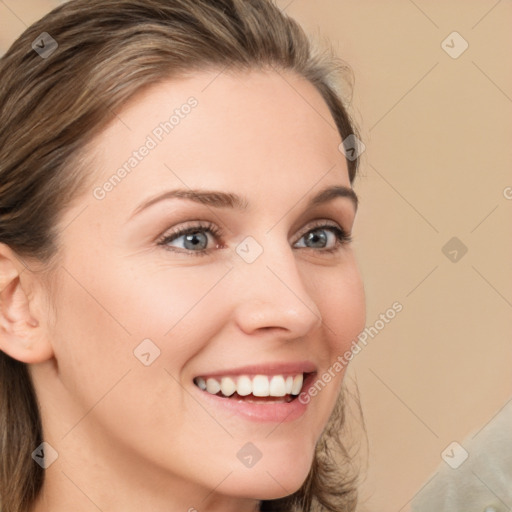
132,437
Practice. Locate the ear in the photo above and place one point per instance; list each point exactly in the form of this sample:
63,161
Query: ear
23,334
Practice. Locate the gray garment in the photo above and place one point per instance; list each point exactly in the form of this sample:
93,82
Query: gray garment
475,475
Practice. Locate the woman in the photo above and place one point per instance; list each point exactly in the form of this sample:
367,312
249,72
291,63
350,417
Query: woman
175,262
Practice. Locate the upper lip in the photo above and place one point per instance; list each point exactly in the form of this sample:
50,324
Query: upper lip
274,368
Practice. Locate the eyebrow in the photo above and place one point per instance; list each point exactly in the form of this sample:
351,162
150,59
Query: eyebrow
220,199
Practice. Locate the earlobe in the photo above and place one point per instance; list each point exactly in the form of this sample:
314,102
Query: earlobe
22,335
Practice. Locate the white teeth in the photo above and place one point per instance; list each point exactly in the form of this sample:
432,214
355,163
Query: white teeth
277,386
297,384
212,386
258,385
227,386
289,384
244,386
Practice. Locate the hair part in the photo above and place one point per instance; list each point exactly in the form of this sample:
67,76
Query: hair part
51,109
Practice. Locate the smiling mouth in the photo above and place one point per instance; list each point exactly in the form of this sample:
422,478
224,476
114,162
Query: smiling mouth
255,388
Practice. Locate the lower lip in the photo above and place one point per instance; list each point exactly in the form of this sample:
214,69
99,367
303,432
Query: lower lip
268,412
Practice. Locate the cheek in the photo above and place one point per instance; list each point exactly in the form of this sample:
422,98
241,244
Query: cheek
339,296
92,342
105,311
162,298
341,302
100,323
103,316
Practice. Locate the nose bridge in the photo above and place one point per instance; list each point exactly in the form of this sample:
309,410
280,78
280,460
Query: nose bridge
274,293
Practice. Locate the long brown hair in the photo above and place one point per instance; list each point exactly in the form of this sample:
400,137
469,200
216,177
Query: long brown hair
92,57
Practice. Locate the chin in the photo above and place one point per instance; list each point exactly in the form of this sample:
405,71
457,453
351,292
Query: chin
273,478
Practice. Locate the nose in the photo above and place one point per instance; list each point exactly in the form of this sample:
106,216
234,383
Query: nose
273,295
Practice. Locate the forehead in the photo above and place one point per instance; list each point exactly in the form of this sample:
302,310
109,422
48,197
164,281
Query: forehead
216,129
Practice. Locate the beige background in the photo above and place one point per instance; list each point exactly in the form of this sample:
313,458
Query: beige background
437,132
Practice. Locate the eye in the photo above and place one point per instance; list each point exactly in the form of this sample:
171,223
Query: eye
195,239
317,236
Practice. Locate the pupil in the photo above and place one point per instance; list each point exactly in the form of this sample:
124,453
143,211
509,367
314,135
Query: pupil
313,237
190,239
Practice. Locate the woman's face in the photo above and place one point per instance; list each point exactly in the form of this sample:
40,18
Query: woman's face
263,290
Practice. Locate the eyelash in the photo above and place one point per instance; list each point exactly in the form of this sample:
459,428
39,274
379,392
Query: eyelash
342,238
